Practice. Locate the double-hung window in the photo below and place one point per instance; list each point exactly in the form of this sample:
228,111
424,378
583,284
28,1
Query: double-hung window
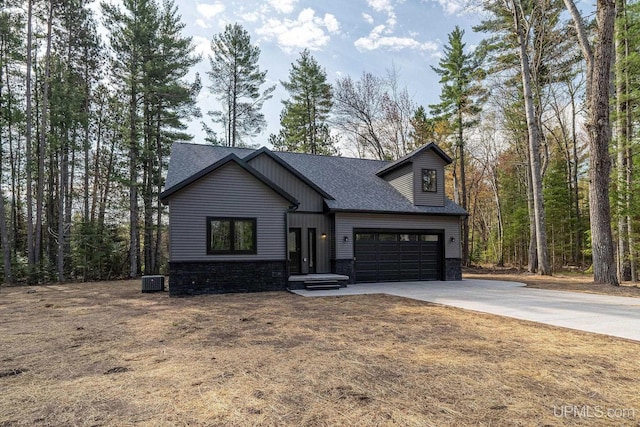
231,236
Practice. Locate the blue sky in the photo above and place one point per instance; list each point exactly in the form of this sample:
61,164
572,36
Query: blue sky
346,37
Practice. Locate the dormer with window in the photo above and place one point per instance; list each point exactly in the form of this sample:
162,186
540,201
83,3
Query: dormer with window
419,176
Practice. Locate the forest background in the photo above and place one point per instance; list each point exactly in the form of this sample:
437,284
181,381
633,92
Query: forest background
540,119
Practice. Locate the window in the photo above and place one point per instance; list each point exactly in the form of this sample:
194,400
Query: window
386,237
429,180
231,236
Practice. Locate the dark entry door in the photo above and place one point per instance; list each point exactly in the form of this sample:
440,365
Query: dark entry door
311,242
397,256
295,250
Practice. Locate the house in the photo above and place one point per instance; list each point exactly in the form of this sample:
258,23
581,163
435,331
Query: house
243,220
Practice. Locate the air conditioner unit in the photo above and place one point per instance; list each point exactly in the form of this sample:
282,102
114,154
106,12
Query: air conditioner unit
152,283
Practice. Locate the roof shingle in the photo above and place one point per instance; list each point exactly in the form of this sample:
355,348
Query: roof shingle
351,182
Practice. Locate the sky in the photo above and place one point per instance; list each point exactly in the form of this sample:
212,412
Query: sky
346,37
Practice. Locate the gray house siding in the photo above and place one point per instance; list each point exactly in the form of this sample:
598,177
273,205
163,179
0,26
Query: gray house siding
346,222
322,224
402,180
310,200
232,192
428,160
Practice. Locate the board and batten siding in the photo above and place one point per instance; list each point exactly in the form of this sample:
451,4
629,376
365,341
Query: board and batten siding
346,222
226,192
402,180
428,160
322,224
310,200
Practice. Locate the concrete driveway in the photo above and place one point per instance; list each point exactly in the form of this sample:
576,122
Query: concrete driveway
602,314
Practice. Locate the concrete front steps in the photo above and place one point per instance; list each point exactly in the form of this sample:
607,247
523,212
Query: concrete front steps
318,282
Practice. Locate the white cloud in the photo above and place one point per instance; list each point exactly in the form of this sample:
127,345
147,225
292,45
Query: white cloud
209,11
331,23
250,16
283,6
307,31
382,36
459,7
202,46
376,40
381,5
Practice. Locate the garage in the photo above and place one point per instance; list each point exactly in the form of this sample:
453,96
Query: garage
393,256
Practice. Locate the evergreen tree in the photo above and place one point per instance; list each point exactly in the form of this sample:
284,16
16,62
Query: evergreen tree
11,48
235,80
168,100
305,113
132,35
460,102
428,129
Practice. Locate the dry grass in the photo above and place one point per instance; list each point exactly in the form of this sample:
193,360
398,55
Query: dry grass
577,282
105,354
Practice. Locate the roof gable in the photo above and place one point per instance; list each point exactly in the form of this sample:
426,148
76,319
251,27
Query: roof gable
409,157
265,151
231,158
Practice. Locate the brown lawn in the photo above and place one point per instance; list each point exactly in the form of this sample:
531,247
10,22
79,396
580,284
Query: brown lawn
105,354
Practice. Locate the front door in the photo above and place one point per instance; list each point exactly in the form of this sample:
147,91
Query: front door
311,242
295,250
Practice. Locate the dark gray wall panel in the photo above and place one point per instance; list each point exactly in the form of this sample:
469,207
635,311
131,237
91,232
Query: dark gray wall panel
227,192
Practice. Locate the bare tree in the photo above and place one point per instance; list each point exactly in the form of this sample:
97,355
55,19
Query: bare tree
375,113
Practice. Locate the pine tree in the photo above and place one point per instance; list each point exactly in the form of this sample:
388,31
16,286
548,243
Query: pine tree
168,100
132,35
460,102
11,47
235,80
305,113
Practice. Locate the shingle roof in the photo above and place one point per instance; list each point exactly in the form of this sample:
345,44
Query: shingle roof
388,167
231,158
352,183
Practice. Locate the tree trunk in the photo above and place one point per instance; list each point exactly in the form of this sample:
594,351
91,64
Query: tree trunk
544,267
133,184
42,142
31,260
533,251
4,232
598,59
463,187
621,49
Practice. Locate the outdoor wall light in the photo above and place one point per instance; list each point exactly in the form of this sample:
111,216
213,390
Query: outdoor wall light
323,235
452,239
346,238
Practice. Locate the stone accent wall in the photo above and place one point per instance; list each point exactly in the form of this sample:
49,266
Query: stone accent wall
216,277
345,267
453,268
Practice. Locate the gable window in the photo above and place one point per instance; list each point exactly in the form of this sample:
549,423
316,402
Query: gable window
231,236
429,180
